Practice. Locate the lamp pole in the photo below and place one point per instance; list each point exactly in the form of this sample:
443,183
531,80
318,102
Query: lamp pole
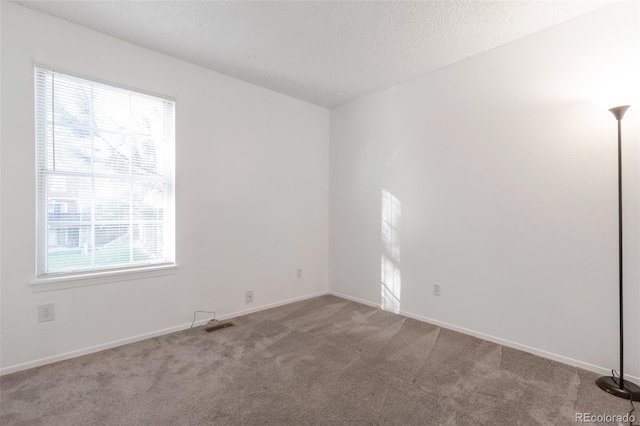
618,386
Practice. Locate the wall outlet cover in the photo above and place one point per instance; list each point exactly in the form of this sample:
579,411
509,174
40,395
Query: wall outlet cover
436,289
46,312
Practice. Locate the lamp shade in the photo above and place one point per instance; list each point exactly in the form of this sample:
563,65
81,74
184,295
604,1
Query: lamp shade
619,85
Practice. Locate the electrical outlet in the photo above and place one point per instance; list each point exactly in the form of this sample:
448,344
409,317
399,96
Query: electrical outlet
46,312
248,296
436,289
299,273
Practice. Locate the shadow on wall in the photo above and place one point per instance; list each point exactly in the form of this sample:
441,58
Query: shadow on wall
390,276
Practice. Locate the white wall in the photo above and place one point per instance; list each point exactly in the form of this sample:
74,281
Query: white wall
506,174
252,194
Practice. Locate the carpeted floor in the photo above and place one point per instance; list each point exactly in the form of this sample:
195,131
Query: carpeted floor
323,361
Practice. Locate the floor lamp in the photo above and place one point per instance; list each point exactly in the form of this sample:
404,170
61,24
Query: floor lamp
616,96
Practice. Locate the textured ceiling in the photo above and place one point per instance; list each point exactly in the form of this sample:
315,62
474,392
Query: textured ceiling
327,53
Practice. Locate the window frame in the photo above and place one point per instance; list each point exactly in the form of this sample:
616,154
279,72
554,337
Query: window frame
97,275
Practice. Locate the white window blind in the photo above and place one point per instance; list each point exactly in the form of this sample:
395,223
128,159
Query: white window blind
105,170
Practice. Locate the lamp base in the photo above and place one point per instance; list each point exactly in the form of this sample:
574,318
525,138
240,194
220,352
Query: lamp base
612,385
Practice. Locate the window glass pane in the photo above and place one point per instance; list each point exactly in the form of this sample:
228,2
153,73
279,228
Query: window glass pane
66,249
112,200
71,103
68,199
148,201
150,240
70,149
112,245
111,109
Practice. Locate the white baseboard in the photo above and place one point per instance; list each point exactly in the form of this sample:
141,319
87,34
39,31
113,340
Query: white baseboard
544,354
272,305
109,345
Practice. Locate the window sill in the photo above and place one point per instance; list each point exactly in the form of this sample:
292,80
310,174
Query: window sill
93,278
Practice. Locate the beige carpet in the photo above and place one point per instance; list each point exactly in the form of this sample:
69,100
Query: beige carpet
324,361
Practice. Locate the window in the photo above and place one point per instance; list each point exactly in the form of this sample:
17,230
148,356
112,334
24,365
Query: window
105,167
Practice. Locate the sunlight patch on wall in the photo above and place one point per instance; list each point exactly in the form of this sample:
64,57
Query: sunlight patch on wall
390,276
